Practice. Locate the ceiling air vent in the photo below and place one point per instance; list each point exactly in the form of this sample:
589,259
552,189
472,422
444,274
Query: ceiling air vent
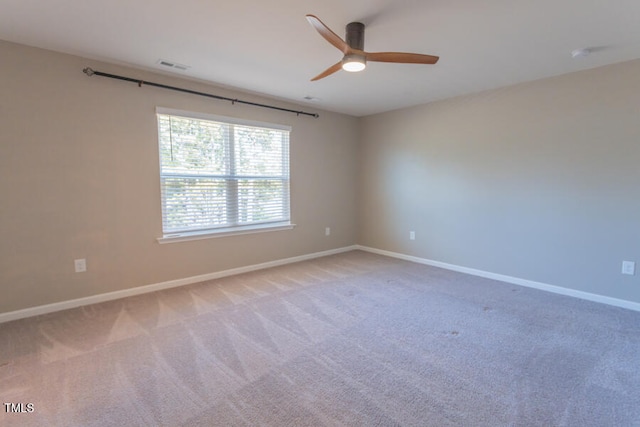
174,65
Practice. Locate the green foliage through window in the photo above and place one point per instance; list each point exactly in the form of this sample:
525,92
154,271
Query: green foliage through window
220,175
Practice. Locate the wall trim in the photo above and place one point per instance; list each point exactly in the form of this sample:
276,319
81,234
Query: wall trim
509,279
109,296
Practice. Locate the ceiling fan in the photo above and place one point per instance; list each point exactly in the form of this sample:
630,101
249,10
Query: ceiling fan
355,58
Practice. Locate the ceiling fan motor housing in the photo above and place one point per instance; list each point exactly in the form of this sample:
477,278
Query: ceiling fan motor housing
355,35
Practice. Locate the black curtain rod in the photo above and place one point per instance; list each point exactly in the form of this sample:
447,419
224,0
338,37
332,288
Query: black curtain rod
90,72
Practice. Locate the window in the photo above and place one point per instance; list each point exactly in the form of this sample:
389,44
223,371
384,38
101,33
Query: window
220,175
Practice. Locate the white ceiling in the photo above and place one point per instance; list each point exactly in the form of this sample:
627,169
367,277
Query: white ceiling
268,47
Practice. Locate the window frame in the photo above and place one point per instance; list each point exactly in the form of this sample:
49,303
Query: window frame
223,231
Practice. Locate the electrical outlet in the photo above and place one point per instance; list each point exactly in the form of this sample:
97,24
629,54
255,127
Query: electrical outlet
327,231
629,268
80,265
412,235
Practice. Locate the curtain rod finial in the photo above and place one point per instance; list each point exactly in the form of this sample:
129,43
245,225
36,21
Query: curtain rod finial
88,71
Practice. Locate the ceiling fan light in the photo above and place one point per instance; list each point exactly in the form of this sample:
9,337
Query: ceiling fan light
353,63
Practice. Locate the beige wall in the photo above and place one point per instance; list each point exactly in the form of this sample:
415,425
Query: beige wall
539,181
79,179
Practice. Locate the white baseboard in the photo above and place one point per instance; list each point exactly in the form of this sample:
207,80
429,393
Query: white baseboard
509,279
64,305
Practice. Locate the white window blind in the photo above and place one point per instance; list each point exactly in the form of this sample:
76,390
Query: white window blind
219,174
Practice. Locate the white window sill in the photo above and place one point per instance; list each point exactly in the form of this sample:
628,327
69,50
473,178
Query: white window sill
223,232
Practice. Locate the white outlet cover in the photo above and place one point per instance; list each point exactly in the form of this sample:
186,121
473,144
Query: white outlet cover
629,268
80,265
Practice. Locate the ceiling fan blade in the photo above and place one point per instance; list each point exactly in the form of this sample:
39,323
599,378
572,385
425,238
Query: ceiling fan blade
401,57
335,67
328,35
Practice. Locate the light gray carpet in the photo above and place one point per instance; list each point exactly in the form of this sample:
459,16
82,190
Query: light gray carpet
354,339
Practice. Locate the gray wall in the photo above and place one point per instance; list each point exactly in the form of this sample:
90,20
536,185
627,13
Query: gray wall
539,181
79,178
